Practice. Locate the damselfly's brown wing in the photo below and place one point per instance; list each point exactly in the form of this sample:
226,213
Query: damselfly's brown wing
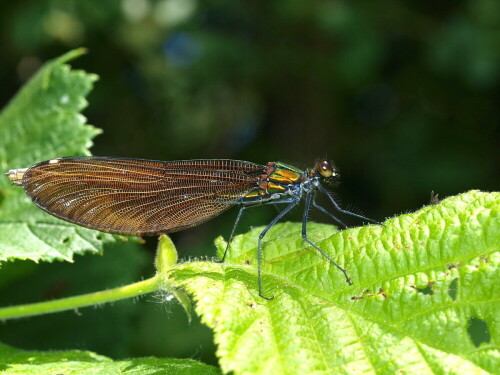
138,197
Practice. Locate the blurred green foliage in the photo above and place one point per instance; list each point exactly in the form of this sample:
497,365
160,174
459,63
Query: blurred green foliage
402,95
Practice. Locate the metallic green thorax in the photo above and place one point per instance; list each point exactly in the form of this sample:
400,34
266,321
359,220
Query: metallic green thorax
276,179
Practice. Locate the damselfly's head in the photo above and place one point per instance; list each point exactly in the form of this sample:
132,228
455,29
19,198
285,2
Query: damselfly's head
327,171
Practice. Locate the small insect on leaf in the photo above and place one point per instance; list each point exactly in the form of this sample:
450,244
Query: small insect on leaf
141,197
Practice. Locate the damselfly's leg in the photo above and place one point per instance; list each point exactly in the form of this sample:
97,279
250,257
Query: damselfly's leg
291,205
337,207
232,232
304,236
325,211
240,212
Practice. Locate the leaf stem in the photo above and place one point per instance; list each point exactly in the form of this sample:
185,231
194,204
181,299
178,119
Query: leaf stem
71,303
166,257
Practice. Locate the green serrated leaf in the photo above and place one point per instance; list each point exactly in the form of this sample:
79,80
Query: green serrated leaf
420,283
75,362
43,121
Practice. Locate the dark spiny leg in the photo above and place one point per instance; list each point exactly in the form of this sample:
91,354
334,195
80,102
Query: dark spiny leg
259,248
304,236
240,212
232,232
337,207
325,211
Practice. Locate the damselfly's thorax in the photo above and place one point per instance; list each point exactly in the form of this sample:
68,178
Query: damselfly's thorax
277,174
279,180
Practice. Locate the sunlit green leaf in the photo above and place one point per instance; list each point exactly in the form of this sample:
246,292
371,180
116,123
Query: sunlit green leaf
420,284
42,122
18,362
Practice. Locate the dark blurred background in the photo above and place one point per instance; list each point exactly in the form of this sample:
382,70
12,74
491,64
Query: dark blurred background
402,95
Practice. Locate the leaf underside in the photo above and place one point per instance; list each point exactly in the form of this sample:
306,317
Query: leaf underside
423,299
42,122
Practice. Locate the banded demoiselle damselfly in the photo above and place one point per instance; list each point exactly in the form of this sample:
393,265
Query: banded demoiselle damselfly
140,197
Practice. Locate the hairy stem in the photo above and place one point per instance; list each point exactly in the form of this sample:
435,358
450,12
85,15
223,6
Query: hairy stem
71,303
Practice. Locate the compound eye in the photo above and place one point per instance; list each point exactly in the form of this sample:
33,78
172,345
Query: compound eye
324,168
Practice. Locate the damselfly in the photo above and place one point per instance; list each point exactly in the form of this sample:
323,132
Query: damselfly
146,197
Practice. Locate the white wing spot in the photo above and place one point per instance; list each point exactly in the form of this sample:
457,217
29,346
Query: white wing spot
54,161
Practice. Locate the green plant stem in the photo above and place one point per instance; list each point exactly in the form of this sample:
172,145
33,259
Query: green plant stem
71,303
